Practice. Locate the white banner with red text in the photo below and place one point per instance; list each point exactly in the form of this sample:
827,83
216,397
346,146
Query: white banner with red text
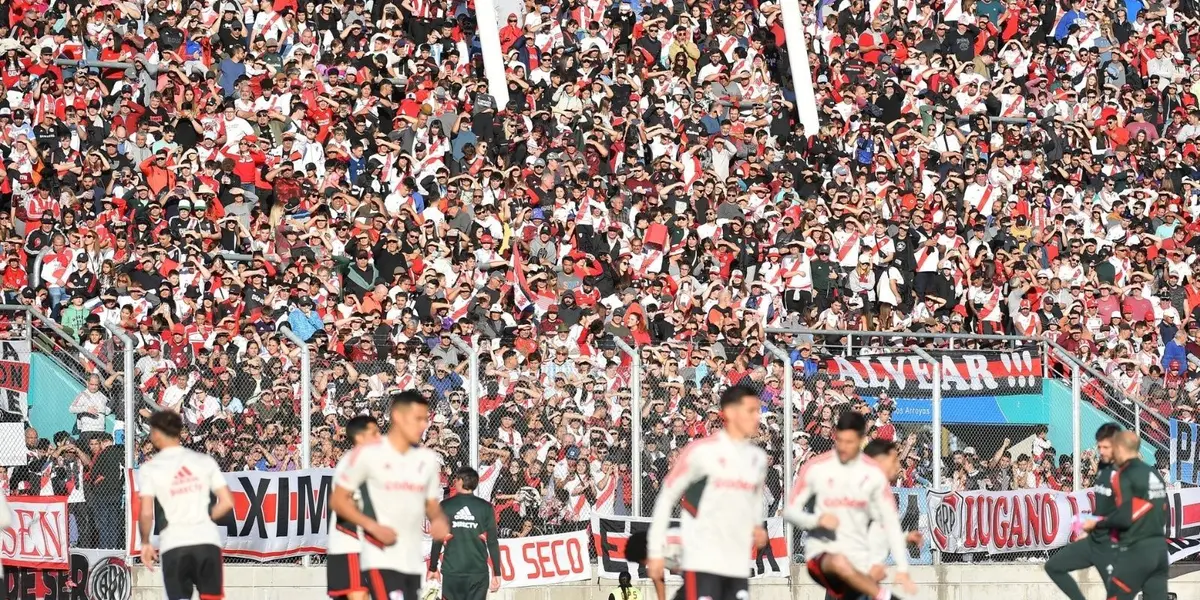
610,533
1002,522
285,514
543,559
1040,519
40,534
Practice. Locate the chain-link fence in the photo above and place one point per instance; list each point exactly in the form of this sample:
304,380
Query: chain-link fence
62,421
680,389
555,421
555,429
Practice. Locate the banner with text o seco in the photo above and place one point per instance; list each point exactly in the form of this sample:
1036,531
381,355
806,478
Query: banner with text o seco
545,559
1002,522
275,515
40,536
964,373
610,533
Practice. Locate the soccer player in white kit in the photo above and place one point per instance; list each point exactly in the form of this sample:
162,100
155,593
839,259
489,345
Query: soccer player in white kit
850,491
182,483
343,573
719,480
400,487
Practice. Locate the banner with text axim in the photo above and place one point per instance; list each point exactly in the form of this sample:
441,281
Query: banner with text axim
275,515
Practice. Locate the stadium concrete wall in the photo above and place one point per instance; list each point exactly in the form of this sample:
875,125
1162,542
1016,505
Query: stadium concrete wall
1023,581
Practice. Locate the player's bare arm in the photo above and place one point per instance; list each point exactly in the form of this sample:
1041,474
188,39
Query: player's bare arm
146,526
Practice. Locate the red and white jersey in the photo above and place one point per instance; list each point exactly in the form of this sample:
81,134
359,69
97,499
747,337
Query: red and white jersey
606,495
980,198
181,482
989,310
877,247
928,258
57,266
846,244
797,272
399,485
1027,323
858,494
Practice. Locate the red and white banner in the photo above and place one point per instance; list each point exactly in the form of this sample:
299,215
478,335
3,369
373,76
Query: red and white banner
275,515
610,533
545,559
963,373
285,514
40,536
1002,522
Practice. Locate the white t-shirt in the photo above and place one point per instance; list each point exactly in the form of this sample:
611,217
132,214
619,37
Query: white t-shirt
395,487
182,482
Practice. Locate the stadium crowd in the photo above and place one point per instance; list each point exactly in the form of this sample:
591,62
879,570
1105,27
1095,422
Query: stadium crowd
340,169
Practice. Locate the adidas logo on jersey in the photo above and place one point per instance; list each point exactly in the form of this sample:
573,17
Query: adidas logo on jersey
464,519
183,474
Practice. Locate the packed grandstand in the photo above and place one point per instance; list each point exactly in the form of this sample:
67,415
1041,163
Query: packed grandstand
340,169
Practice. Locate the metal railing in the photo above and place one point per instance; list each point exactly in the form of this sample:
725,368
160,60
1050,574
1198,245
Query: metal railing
1081,381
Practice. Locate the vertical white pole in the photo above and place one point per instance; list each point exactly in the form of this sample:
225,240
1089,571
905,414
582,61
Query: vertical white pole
806,103
131,429
493,59
306,406
1076,426
473,400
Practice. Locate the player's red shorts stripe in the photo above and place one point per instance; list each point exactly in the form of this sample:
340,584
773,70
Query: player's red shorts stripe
814,570
689,585
356,584
1121,584
377,583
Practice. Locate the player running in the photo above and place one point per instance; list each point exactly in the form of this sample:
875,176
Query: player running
472,541
182,483
850,491
343,573
399,485
720,480
886,454
1096,548
1140,521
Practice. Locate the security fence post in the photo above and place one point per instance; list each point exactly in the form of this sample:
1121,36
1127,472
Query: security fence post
936,402
1076,428
635,438
305,409
131,430
472,351
788,416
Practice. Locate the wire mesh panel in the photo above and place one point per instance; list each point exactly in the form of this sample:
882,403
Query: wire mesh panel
680,391
61,425
555,430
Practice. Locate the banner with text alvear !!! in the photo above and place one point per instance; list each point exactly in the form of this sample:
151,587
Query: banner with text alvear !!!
275,515
1003,522
964,373
610,533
